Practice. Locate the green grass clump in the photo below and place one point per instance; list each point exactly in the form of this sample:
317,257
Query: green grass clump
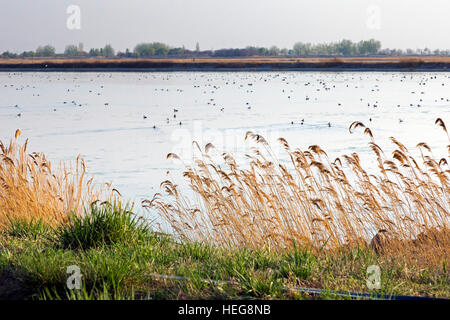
299,263
21,228
104,224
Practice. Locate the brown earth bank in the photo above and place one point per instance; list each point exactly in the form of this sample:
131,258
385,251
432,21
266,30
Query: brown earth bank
410,63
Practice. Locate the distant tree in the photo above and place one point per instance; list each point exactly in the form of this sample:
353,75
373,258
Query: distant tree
161,49
94,52
367,47
298,48
251,51
8,54
45,51
27,54
71,51
151,49
274,51
176,51
229,52
362,48
263,51
343,47
108,51
302,49
346,47
144,50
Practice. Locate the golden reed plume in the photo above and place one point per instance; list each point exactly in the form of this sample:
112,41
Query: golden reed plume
312,201
31,189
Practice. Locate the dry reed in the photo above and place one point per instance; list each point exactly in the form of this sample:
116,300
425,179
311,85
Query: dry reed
31,189
313,201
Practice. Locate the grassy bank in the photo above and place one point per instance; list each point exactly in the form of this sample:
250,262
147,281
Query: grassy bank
119,256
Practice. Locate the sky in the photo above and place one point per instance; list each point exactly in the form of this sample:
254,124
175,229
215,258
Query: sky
215,24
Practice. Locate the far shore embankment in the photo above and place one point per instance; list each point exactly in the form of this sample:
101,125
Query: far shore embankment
375,63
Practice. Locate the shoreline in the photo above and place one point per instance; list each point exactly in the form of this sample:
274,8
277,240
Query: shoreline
337,70
344,64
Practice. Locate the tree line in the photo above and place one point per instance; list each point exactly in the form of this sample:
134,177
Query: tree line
158,49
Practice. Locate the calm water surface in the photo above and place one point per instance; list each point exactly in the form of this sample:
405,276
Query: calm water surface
124,124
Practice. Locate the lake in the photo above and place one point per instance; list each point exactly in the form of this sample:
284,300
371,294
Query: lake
124,124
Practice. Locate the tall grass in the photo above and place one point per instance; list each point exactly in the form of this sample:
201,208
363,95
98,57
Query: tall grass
312,201
31,190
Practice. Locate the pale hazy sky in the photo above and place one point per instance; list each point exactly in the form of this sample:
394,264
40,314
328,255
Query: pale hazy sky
25,24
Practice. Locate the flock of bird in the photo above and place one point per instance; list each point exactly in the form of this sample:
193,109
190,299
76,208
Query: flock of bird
206,86
319,83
